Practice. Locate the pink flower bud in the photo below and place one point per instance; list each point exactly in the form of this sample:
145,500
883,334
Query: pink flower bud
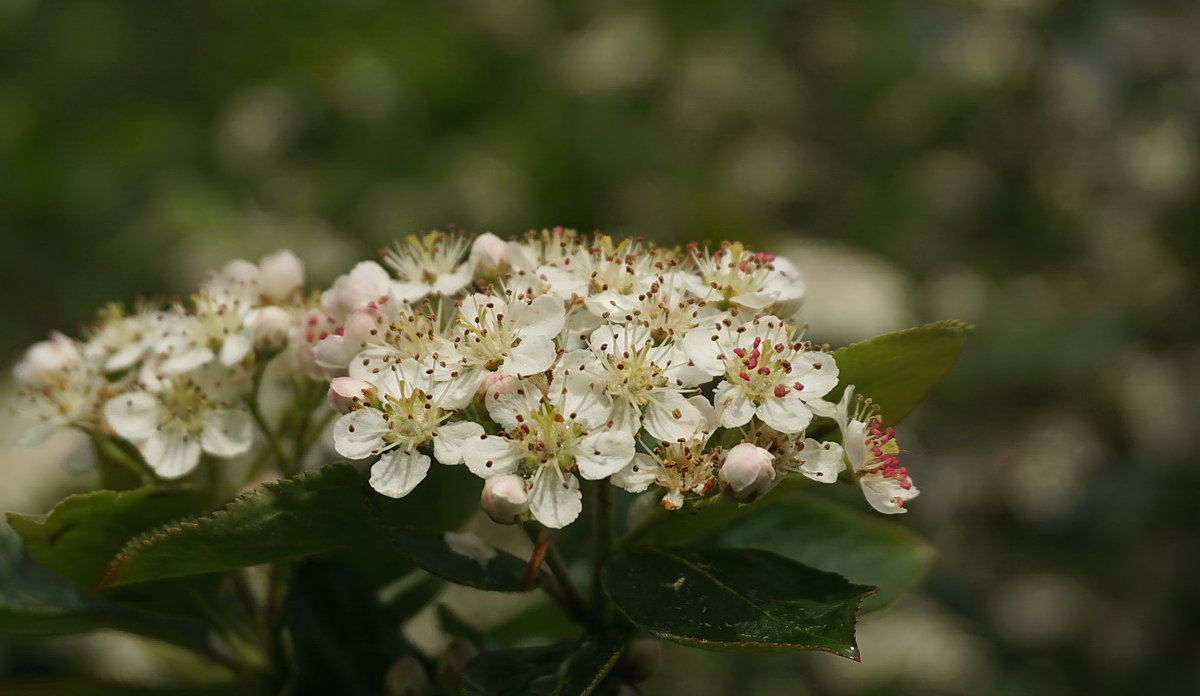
747,472
280,274
505,499
347,394
489,253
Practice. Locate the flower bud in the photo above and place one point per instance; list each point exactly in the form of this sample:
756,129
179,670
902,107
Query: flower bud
347,394
270,327
489,254
505,499
280,274
747,472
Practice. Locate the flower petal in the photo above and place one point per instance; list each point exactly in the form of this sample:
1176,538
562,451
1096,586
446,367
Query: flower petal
671,417
532,355
604,453
821,461
397,472
359,434
227,433
450,439
637,476
788,414
555,501
543,317
490,455
171,452
734,409
134,416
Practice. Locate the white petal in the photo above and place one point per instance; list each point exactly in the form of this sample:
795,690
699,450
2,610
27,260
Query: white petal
235,347
603,454
457,392
171,452
613,305
671,417
788,414
533,355
553,501
821,461
450,283
854,439
702,350
359,434
450,439
187,359
732,406
561,283
512,400
637,476
133,416
227,433
886,495
543,317
817,381
490,455
397,473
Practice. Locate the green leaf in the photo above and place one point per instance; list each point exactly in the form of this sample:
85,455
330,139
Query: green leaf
289,519
327,510
33,601
79,537
735,599
898,369
464,559
863,547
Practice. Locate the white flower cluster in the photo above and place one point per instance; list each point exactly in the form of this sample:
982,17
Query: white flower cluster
533,362
562,356
170,381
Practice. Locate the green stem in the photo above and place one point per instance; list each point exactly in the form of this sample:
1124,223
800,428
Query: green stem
251,400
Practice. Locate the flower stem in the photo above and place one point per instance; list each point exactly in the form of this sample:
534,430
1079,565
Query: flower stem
251,401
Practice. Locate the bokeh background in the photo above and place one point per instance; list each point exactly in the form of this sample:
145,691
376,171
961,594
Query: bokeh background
1030,166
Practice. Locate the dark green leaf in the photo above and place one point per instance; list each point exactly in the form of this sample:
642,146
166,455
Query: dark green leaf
79,537
863,547
330,509
464,559
735,599
289,519
33,601
898,369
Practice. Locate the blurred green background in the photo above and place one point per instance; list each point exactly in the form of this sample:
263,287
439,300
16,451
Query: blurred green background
1027,165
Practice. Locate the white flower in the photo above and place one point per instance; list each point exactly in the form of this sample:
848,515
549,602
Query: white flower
767,374
685,467
121,340
431,264
346,394
747,472
367,282
872,453
819,461
752,280
645,381
59,385
411,408
505,498
173,426
516,338
547,438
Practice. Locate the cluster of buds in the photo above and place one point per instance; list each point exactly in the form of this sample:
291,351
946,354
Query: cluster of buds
533,362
